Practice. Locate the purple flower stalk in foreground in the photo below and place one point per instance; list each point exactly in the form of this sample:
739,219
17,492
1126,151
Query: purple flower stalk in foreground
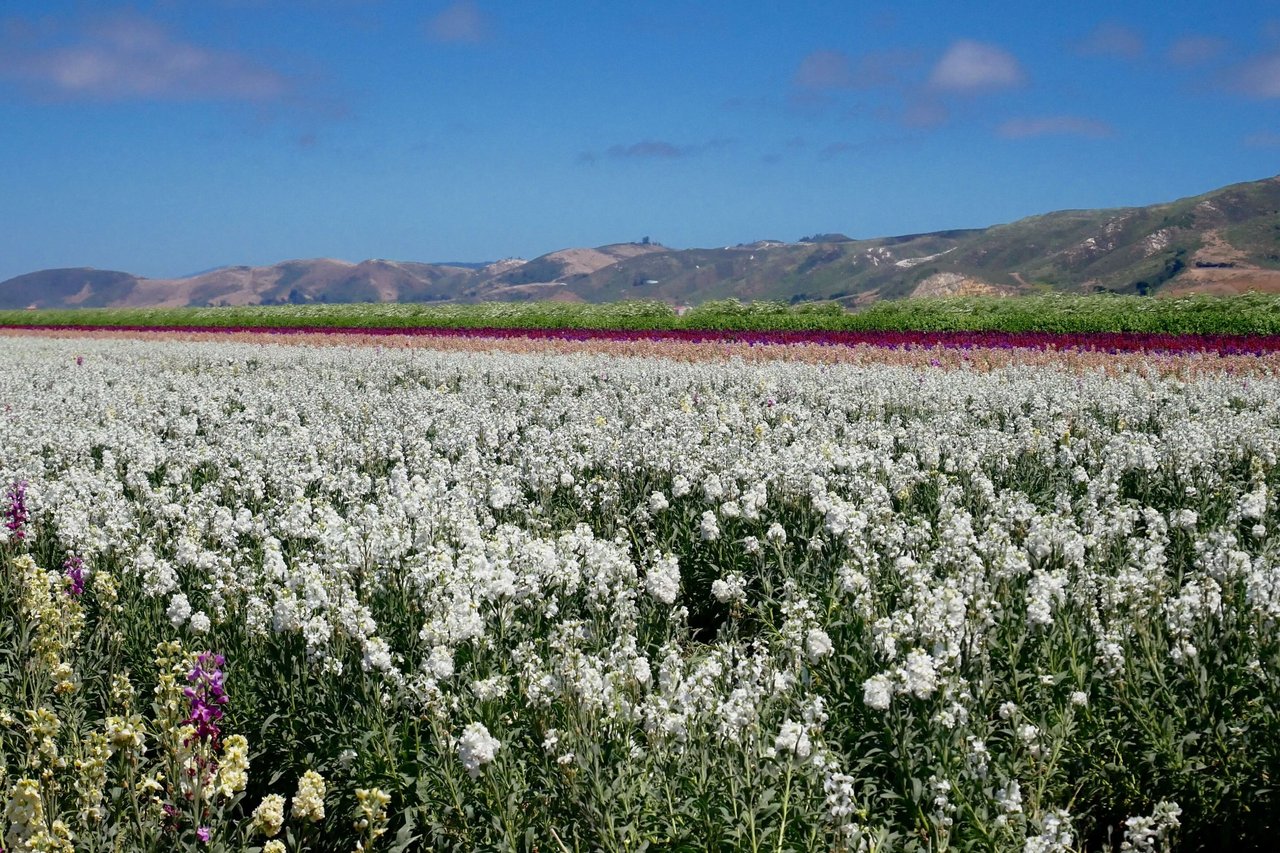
16,514
203,834
206,695
73,571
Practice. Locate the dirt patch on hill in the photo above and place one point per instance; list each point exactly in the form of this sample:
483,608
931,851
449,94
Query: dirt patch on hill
1216,250
1223,281
575,262
955,284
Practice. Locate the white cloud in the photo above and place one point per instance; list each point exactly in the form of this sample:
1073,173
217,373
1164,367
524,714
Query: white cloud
1113,40
1263,139
1025,128
1193,50
1258,78
130,57
655,149
834,69
459,23
824,69
972,66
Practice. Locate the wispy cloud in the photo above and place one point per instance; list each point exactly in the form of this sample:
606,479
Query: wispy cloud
650,149
1263,139
840,149
654,149
1113,40
924,112
970,67
824,69
1256,78
1194,50
459,23
834,69
1026,128
129,57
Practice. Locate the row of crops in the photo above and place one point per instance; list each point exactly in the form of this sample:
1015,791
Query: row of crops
1248,314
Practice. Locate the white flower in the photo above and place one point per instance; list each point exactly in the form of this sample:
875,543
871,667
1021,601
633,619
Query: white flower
712,488
776,534
658,502
490,688
552,740
1146,834
662,581
839,790
1079,698
919,674
199,622
709,527
179,609
440,662
877,692
793,738
680,486
377,655
729,589
1253,505
1055,835
1009,797
817,644
477,748
1044,590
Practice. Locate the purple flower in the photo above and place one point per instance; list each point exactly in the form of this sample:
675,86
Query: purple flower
73,570
16,514
207,695
203,834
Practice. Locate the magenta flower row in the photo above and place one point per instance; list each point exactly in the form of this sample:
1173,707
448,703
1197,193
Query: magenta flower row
1109,342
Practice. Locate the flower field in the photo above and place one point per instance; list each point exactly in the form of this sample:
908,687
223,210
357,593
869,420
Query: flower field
285,598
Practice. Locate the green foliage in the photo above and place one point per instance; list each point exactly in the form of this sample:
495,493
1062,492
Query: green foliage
1249,314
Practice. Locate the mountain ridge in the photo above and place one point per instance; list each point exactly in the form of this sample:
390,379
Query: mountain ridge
1223,241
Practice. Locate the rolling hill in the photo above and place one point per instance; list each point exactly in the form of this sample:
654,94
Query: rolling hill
1224,241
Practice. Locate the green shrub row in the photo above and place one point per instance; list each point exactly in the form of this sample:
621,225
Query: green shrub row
1249,314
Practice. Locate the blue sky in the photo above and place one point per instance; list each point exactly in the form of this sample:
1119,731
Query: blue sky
168,137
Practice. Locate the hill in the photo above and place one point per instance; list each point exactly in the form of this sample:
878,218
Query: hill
1224,241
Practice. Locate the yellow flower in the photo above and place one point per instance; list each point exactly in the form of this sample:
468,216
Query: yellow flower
125,732
268,817
64,679
308,803
371,806
233,771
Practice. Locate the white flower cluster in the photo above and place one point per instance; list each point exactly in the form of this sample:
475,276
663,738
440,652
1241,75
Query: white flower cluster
477,748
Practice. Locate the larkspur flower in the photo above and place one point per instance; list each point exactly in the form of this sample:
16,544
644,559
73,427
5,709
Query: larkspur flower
73,571
16,514
206,695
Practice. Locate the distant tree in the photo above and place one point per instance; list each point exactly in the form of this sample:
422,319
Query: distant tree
644,242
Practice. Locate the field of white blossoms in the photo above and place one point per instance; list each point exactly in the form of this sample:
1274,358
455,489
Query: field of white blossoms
298,598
